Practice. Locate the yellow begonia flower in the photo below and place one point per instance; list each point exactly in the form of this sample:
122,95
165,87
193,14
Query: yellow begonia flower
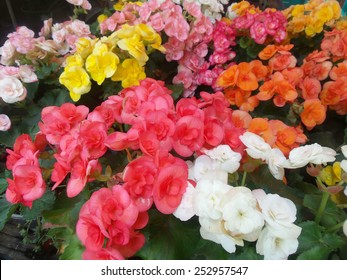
102,63
331,175
129,72
74,60
76,80
101,18
85,46
150,37
298,10
134,45
324,13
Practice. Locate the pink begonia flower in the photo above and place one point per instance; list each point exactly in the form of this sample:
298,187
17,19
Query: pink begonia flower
22,39
27,74
46,28
12,90
59,121
9,71
171,182
21,146
111,214
5,122
7,53
83,3
27,185
139,177
102,254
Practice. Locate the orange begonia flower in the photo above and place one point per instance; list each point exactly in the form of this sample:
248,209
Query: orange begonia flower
314,113
319,71
246,79
277,85
268,52
228,77
259,69
242,99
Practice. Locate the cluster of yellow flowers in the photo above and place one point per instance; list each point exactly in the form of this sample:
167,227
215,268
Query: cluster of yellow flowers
312,17
120,56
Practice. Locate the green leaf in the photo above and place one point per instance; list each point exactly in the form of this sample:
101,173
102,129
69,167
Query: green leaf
245,42
46,202
3,185
31,89
65,210
6,210
177,91
311,234
168,238
318,252
315,243
74,250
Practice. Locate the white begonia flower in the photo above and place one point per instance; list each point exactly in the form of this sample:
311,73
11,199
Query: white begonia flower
343,164
314,153
214,230
278,244
257,148
240,213
276,161
5,122
228,159
277,210
185,210
208,169
207,197
12,90
345,227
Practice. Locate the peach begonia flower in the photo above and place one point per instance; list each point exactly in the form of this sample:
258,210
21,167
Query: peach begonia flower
314,113
339,71
310,88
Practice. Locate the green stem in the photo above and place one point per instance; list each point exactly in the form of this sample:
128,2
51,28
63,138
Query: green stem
244,176
323,203
335,227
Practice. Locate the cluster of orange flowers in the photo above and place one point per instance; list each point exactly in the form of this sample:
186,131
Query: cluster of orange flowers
310,89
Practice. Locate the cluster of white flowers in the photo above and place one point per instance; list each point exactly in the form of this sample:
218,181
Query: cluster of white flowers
231,215
213,9
299,157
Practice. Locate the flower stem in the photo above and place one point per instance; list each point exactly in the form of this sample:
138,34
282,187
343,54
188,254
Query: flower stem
323,203
244,176
335,227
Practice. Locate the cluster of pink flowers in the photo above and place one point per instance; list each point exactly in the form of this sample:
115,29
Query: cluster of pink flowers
27,184
261,25
111,215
